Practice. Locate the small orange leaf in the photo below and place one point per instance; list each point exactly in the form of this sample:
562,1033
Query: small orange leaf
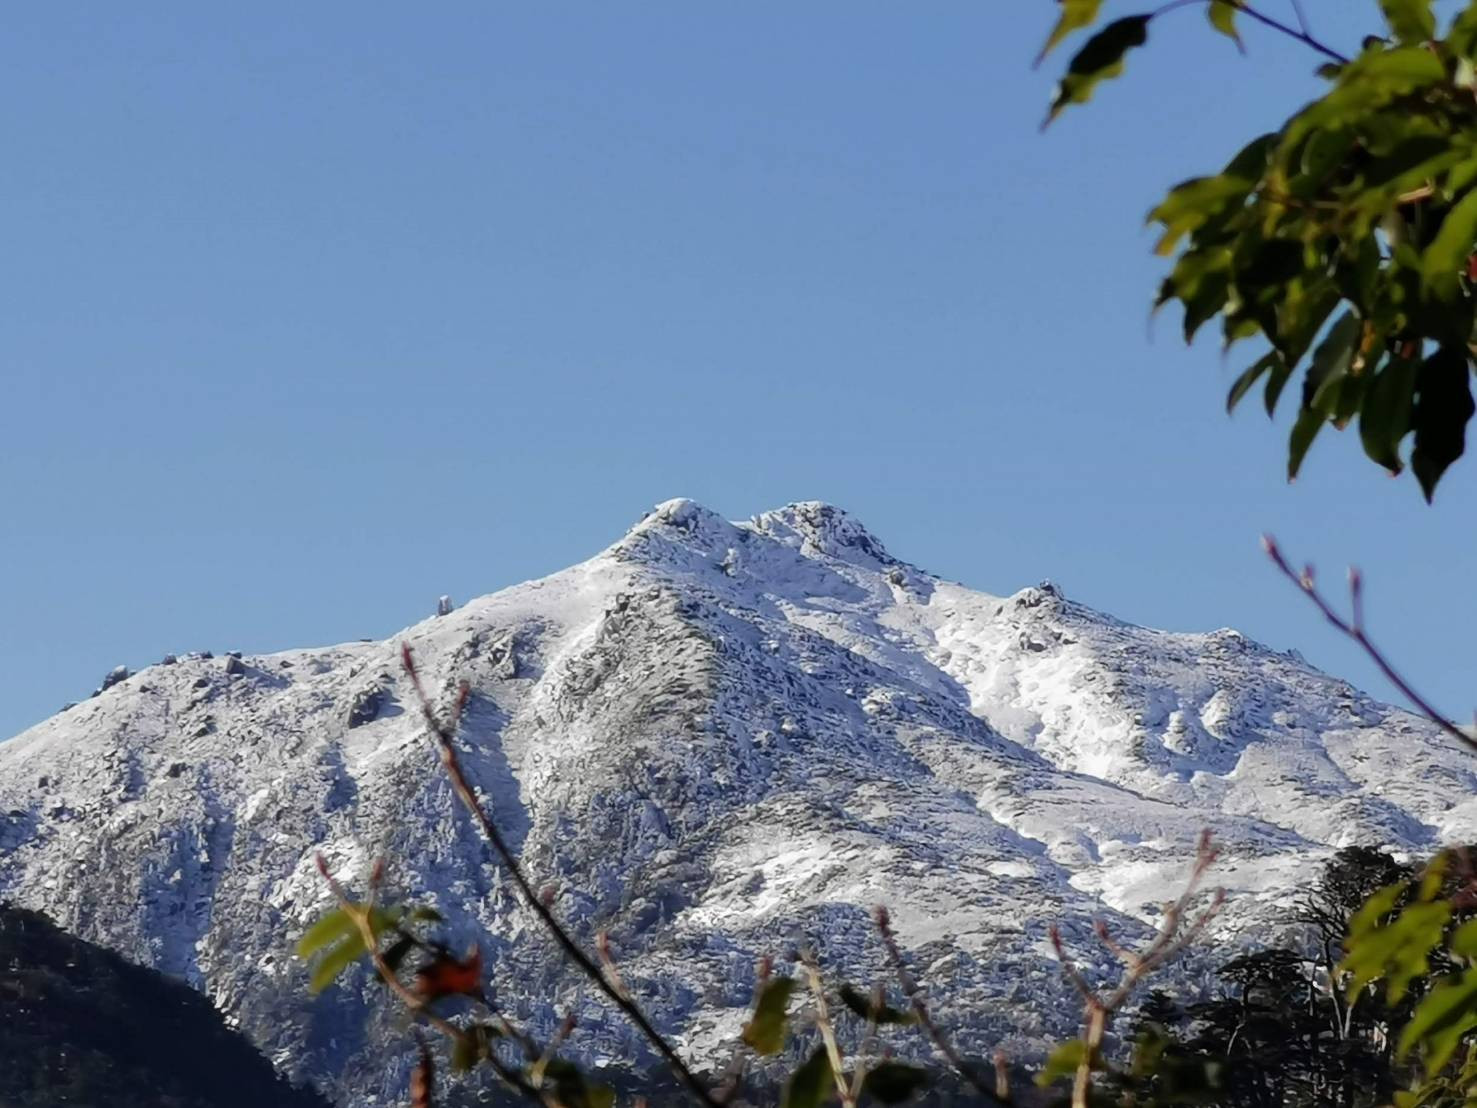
448,977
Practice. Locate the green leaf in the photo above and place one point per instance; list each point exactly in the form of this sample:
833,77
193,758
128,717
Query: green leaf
1463,941
1411,162
1462,37
1276,381
1222,15
1062,1062
1250,162
864,1007
1412,21
1323,153
1076,14
1434,877
335,925
765,1031
1443,406
1331,361
1447,1013
1384,417
812,1084
1100,58
1364,85
337,959
472,1046
573,1089
464,1053
1302,309
1192,203
1304,430
1394,949
1254,373
1446,258
894,1082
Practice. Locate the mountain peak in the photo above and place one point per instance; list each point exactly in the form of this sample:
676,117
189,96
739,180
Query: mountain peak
818,527
810,527
717,737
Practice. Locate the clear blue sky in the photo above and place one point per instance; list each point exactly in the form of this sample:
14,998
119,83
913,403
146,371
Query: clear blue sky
313,312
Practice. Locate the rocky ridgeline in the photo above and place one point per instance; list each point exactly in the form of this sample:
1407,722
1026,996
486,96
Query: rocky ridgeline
713,740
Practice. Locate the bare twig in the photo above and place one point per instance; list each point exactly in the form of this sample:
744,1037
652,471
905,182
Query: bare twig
1353,627
536,1074
910,989
1302,16
1173,936
423,1077
874,1011
444,734
823,1024
1002,1077
607,962
1300,33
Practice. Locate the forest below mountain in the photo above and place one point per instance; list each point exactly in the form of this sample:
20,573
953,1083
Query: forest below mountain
81,1026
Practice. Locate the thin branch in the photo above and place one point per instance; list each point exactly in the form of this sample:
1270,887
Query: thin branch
417,1005
1002,1077
869,1040
1171,938
423,1077
1302,16
1299,33
607,961
925,1020
444,736
827,1030
1353,627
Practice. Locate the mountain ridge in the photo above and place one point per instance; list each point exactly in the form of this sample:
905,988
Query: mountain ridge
716,739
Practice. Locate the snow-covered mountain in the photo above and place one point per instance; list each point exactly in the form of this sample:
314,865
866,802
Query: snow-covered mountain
715,739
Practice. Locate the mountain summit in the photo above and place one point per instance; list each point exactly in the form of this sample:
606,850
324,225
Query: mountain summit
715,740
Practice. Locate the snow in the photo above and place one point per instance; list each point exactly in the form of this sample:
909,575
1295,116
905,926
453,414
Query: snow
716,740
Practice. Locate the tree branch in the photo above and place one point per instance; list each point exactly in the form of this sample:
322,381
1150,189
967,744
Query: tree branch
444,733
1171,939
1353,627
417,1005
925,1020
828,1032
1300,33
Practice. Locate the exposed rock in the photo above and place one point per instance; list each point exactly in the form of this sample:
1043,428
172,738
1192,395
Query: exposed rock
116,676
712,765
366,705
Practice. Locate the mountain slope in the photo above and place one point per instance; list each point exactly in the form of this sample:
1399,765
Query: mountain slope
715,740
82,1026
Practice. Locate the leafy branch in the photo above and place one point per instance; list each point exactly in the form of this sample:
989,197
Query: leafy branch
466,1044
1344,237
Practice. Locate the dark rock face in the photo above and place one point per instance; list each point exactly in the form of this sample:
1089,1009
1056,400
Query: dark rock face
367,705
116,675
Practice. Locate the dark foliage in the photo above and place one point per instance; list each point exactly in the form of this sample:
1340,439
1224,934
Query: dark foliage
1283,1029
81,1026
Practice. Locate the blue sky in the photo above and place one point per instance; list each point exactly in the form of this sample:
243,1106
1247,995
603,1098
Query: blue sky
314,312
